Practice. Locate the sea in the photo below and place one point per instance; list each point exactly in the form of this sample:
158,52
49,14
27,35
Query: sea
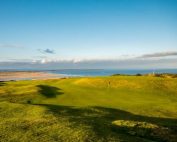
108,72
98,72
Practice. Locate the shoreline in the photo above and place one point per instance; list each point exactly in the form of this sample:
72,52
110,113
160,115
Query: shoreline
27,75
40,75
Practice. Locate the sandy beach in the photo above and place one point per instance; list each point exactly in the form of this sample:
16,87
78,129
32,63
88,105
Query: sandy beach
26,75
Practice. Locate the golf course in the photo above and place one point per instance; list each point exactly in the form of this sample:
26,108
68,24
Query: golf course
89,109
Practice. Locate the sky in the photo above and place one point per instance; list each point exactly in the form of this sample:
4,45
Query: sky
57,34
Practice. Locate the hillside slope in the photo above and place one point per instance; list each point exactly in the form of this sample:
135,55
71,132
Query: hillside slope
117,108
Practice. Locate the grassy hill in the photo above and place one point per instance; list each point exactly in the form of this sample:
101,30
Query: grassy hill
99,109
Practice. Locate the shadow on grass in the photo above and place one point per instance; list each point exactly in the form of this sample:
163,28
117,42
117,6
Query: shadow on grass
49,91
2,83
101,121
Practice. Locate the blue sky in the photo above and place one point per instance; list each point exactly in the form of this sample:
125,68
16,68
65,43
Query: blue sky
88,33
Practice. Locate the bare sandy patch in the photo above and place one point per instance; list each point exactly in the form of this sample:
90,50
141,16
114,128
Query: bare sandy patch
26,75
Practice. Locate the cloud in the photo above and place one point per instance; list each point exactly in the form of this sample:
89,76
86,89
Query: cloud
146,61
93,64
39,57
43,61
160,54
48,51
11,46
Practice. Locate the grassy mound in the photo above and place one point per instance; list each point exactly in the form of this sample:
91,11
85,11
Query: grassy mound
102,109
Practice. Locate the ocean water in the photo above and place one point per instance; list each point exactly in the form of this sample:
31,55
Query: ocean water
98,72
106,72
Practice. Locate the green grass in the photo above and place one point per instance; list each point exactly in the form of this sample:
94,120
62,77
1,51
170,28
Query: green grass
100,109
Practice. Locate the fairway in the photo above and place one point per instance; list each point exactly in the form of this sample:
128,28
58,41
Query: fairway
89,109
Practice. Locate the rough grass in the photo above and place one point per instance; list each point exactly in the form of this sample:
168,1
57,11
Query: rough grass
100,109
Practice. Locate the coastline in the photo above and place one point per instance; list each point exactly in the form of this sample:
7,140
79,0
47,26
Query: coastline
27,75
41,75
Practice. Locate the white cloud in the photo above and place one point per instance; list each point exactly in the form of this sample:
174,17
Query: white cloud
11,46
97,64
143,61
